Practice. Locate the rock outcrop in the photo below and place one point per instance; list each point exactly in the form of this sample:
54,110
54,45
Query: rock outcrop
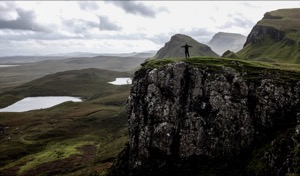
187,120
258,34
173,49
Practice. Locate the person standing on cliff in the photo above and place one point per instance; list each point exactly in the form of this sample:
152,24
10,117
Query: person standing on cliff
186,50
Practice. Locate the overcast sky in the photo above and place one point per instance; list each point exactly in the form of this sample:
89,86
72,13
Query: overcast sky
41,27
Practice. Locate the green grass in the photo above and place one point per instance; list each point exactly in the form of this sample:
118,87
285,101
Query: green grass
284,19
230,54
252,70
8,99
36,142
271,51
56,133
203,61
53,152
85,83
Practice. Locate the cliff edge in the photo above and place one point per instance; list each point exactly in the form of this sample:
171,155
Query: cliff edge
274,38
208,116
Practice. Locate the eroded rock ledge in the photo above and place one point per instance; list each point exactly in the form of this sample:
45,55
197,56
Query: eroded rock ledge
185,120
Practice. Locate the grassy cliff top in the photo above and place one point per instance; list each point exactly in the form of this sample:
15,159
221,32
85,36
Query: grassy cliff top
287,20
275,38
205,61
252,68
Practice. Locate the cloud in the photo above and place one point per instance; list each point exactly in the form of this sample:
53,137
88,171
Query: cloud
138,8
79,26
24,21
163,9
247,4
160,38
196,31
238,20
200,34
88,5
7,11
13,35
106,24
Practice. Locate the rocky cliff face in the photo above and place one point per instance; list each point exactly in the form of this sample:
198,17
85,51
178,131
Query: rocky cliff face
275,37
277,25
258,34
186,120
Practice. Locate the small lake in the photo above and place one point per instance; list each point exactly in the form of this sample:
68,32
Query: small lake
34,103
9,66
121,81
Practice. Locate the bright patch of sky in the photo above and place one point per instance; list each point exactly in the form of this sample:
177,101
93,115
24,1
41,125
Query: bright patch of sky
49,27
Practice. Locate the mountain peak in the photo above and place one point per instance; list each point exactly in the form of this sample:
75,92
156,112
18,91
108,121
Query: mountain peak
228,34
180,37
223,41
172,48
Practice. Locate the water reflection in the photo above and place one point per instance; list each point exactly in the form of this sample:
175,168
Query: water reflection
9,66
33,103
121,81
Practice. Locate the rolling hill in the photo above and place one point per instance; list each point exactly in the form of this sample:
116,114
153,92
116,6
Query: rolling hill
172,49
275,38
86,83
13,76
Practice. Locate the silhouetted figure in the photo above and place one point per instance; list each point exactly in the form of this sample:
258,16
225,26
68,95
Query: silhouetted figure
186,50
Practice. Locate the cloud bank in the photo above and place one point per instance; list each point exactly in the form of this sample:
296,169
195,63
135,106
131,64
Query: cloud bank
49,27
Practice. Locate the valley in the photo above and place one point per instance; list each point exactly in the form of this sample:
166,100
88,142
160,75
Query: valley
51,141
13,76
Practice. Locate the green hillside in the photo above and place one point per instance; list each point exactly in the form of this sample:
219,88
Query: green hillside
84,83
230,54
173,49
70,138
287,20
275,38
14,76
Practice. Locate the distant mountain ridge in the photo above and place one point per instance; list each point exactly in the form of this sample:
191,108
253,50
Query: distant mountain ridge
172,48
223,41
275,37
60,56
